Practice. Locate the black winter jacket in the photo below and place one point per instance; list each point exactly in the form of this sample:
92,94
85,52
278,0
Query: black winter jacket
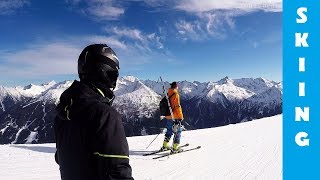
90,138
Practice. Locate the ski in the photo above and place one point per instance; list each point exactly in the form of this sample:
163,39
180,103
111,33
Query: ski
169,154
158,151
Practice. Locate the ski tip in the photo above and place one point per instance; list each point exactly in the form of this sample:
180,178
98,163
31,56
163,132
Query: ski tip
198,147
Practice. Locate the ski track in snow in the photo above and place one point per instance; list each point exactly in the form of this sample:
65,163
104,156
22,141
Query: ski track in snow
250,150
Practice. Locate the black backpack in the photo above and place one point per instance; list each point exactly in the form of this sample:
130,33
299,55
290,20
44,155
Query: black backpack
164,107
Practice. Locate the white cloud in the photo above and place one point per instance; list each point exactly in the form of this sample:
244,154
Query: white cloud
156,40
9,6
207,25
105,11
196,6
134,34
41,59
186,27
111,41
137,38
215,19
243,5
52,58
217,23
134,47
189,30
60,57
100,9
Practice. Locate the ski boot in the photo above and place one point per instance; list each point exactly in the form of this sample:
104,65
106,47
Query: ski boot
175,148
165,146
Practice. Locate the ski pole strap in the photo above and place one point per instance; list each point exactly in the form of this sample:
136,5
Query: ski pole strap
172,95
176,106
111,156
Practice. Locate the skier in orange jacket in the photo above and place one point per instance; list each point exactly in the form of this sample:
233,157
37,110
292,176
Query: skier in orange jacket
173,123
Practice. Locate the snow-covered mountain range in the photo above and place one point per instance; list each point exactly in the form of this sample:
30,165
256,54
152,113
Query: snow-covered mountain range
27,113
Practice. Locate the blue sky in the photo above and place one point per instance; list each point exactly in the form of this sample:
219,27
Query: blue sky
180,40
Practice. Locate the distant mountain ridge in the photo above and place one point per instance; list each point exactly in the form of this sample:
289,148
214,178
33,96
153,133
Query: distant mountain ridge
27,113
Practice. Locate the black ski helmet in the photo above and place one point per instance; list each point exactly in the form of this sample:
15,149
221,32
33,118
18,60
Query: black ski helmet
99,63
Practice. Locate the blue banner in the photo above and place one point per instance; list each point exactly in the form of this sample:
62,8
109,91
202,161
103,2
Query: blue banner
301,89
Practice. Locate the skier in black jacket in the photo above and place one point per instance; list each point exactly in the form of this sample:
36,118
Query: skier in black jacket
90,138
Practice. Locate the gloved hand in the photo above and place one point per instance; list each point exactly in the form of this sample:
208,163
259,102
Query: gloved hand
176,125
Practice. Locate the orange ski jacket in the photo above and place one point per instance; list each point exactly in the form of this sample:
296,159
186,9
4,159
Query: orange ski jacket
175,104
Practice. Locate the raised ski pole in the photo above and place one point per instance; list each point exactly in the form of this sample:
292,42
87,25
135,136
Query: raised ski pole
169,104
166,94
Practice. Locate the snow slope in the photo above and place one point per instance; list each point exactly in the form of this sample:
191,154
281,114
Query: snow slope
250,150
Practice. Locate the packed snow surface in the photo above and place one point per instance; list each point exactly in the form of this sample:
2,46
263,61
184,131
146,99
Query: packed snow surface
250,150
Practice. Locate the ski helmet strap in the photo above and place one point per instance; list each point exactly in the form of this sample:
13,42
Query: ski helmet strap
99,90
109,100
